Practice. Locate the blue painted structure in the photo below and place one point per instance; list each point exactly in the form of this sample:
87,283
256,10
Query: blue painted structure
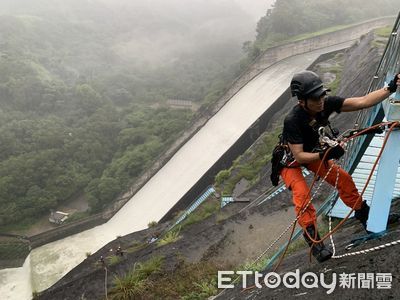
363,151
203,197
384,184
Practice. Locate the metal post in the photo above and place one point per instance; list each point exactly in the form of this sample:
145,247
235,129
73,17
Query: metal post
384,185
387,171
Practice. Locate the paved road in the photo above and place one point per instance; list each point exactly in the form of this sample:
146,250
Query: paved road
52,261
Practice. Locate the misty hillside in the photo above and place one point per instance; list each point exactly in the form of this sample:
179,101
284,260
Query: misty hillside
146,31
82,92
308,16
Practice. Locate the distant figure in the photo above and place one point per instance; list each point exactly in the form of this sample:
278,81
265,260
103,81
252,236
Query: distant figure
102,261
119,251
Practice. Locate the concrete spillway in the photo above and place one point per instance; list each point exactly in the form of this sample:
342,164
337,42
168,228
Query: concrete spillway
50,262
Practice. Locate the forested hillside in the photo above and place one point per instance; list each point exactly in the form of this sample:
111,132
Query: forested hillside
293,18
79,81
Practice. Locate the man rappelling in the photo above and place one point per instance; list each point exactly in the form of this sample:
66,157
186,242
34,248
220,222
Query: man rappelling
306,127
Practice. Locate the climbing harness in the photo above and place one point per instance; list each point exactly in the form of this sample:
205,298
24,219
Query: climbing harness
325,140
281,158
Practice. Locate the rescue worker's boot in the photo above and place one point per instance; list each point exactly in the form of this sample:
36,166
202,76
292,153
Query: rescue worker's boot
319,251
362,214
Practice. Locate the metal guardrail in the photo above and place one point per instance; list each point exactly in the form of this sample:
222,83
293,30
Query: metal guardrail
199,200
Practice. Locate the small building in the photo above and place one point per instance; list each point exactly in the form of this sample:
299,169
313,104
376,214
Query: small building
182,104
58,217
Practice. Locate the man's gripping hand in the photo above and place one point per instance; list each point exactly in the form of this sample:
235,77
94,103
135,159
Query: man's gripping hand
334,153
394,83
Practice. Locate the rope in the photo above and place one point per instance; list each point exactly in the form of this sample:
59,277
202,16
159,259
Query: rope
331,237
365,251
105,282
368,250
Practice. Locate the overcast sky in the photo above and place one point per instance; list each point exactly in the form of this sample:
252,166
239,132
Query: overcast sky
256,8
157,28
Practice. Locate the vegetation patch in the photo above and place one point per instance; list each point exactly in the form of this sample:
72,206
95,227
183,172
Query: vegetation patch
337,70
383,31
170,237
77,216
254,266
113,259
135,247
249,164
152,224
186,281
149,280
135,283
13,249
205,210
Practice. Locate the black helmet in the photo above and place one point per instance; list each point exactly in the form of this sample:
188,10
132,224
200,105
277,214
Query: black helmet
307,84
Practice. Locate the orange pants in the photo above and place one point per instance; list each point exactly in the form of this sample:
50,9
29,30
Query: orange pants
295,181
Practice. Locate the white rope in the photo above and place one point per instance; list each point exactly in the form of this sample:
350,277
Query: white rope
369,250
330,218
356,252
331,238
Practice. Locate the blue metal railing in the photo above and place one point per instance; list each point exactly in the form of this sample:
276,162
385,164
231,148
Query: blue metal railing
208,192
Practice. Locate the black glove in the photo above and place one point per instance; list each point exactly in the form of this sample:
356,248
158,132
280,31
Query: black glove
335,152
392,86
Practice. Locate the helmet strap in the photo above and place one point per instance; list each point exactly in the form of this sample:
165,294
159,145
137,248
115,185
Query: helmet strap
305,104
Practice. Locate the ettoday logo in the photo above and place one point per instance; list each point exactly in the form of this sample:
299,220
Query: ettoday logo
309,280
272,280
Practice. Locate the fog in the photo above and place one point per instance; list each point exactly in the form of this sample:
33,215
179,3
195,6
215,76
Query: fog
156,31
